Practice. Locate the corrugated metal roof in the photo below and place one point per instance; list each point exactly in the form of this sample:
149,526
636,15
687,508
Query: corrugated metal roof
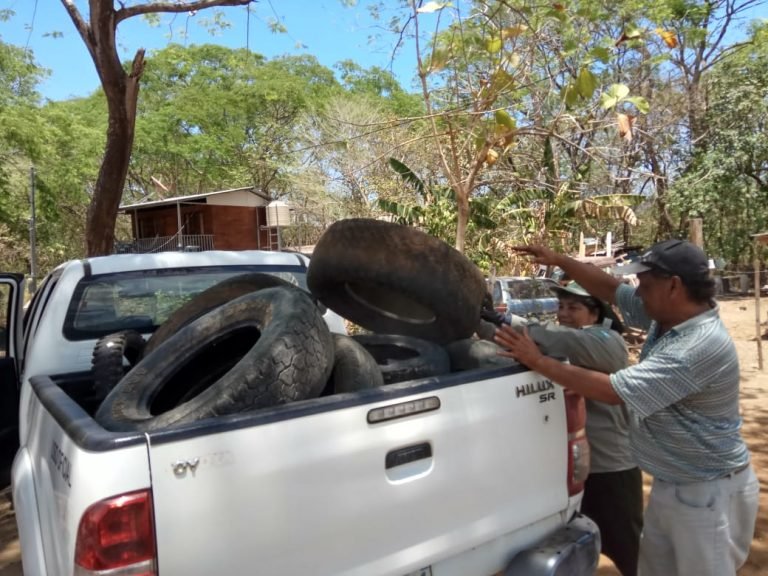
190,198
599,261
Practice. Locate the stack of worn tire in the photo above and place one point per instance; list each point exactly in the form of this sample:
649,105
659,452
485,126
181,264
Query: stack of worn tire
255,341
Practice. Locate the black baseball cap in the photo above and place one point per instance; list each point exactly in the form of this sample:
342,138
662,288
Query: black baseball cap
674,257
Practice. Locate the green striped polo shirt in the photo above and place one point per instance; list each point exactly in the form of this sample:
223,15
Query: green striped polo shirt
683,397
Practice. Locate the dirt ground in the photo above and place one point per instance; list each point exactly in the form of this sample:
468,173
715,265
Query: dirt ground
10,553
739,317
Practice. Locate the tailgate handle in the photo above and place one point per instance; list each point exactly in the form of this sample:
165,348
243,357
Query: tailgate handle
408,454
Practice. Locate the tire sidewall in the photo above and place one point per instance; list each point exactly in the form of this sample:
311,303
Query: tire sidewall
290,325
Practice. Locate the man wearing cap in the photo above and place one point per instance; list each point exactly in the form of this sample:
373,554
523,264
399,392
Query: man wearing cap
588,333
683,402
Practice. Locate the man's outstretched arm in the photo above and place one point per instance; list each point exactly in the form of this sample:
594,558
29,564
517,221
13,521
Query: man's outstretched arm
591,278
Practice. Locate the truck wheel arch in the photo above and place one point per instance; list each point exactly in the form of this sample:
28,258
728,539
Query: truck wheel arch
262,349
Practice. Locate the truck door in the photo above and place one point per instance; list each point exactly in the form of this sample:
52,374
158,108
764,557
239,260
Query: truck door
11,289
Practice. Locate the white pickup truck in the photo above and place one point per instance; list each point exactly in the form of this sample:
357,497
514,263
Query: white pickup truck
476,472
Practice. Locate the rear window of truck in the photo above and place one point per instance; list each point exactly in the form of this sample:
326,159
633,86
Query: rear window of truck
143,300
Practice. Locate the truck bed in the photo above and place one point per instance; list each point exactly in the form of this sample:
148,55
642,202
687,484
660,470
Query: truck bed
381,481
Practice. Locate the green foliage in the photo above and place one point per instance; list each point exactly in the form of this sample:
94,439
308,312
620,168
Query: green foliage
71,140
214,118
544,214
435,211
615,94
22,141
380,85
504,120
727,183
408,176
372,81
216,23
548,161
586,83
640,103
19,136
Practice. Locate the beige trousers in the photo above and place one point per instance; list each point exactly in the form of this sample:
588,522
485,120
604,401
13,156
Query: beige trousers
699,529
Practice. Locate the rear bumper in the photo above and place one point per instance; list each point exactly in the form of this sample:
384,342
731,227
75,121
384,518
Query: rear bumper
574,550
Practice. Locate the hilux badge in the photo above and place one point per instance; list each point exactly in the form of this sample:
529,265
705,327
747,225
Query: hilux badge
534,388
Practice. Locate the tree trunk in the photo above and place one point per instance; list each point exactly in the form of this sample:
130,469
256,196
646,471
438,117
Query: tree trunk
462,201
122,97
665,224
122,92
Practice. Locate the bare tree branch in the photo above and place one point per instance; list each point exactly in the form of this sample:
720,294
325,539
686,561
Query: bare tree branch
80,24
172,7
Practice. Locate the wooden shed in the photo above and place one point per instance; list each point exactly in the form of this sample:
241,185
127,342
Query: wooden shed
233,219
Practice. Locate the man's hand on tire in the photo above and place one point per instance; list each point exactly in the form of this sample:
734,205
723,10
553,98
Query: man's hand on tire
489,313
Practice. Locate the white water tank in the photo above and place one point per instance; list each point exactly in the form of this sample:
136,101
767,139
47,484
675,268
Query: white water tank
278,214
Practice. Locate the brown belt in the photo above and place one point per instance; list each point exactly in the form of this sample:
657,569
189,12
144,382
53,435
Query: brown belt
738,470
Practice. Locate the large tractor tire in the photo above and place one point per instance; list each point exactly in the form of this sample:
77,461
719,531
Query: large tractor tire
394,279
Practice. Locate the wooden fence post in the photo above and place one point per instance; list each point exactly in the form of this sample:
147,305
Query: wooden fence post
757,306
696,232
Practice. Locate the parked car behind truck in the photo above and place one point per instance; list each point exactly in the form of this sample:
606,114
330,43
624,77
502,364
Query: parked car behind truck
463,473
524,296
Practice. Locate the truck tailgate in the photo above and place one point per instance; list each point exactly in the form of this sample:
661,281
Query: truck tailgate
71,463
309,488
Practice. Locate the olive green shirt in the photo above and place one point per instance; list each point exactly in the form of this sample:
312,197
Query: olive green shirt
596,348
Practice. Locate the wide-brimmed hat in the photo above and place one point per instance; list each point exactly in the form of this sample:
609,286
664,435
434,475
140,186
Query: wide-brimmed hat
572,288
606,312
673,257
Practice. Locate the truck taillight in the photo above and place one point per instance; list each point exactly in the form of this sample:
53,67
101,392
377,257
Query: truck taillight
578,447
116,536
